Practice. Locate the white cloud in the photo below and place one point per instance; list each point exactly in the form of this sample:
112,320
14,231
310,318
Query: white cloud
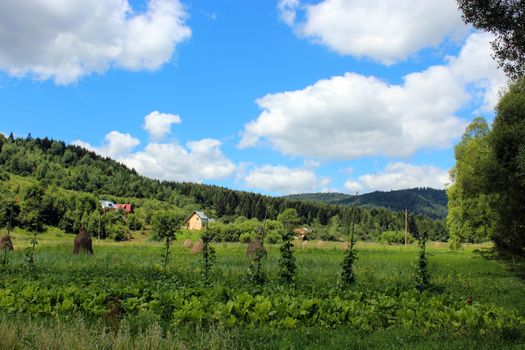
352,116
353,186
311,164
196,161
115,146
287,10
158,124
398,176
65,40
384,30
281,179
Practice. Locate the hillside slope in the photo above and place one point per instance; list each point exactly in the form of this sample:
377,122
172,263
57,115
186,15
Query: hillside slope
424,201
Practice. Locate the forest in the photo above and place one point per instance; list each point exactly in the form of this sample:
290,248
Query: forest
46,182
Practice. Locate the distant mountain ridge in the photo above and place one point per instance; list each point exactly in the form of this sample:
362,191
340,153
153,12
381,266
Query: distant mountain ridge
424,201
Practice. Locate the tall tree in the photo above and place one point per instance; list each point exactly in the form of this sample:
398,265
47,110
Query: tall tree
507,142
470,215
505,19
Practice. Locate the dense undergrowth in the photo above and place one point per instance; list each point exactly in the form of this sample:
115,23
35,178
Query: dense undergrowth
124,288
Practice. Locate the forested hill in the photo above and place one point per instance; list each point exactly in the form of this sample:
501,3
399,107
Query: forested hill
47,182
424,201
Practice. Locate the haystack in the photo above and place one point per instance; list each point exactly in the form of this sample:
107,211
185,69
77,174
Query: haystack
345,246
188,243
83,242
254,246
197,247
6,242
320,244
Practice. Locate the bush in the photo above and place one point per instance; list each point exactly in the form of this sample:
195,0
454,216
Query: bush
246,237
273,237
118,232
396,237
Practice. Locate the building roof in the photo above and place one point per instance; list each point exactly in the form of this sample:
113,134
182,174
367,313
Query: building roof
200,214
107,204
128,208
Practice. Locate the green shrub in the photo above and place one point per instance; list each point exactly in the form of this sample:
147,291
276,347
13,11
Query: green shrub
396,237
118,232
247,237
273,237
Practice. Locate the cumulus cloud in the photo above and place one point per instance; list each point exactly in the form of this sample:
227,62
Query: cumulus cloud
65,40
116,145
288,10
282,180
399,175
159,124
196,161
384,30
352,116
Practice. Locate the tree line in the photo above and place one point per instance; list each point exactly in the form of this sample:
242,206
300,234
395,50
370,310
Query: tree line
71,180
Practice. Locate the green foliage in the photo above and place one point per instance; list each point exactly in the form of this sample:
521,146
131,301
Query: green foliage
471,215
505,20
208,255
507,180
423,201
117,232
273,237
396,237
423,277
165,224
246,237
347,275
289,219
75,179
30,253
287,265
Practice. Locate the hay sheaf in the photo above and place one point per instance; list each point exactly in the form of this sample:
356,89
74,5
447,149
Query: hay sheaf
197,247
6,243
254,246
83,243
188,243
320,244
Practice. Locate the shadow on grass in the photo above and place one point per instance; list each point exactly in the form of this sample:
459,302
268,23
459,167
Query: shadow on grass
513,263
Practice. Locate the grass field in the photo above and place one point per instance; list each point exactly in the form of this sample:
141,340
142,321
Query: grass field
122,298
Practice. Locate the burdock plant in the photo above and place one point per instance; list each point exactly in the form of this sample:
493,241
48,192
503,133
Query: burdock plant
347,275
208,255
423,277
256,252
30,253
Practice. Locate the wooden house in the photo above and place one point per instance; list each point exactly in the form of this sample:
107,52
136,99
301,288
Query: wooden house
196,221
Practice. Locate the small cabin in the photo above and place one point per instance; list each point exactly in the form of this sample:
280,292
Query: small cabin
110,206
196,221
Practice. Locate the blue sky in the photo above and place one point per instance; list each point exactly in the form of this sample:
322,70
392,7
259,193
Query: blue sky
275,96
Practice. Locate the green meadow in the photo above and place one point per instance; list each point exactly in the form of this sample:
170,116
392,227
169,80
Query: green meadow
121,297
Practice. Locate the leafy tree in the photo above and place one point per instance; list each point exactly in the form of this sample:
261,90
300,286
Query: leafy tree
31,214
505,19
165,225
507,181
470,210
